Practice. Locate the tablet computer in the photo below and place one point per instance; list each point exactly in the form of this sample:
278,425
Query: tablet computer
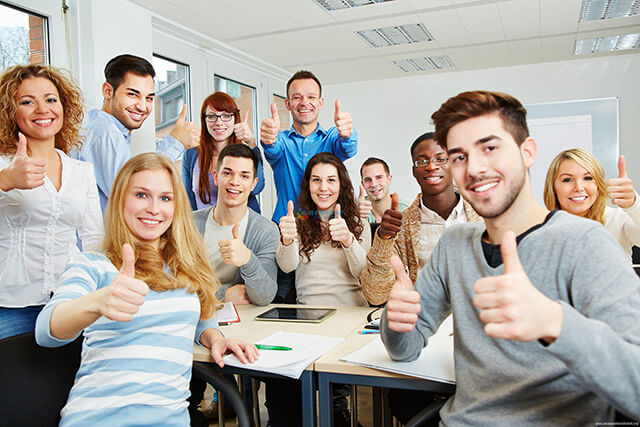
297,314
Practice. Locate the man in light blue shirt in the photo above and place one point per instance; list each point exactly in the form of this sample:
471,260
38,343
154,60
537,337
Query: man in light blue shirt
288,152
128,100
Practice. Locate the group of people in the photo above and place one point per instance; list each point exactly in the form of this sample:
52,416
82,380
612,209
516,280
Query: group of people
543,332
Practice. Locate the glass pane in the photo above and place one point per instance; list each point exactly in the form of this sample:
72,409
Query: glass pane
285,118
23,38
243,95
172,92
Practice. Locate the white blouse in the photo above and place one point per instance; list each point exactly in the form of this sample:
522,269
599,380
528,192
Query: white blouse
624,224
39,230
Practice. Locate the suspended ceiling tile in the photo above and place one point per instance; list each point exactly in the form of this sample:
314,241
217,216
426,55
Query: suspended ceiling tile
558,48
446,28
559,17
525,51
482,23
494,54
520,18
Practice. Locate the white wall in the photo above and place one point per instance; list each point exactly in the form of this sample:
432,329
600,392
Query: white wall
389,114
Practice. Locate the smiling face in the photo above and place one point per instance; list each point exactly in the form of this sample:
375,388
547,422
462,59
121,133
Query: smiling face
432,179
235,180
219,130
376,181
149,205
39,112
132,102
324,186
304,101
575,188
487,164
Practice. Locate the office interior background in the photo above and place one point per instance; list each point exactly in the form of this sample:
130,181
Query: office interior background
391,63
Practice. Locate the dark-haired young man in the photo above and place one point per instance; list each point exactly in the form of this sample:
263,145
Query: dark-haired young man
414,233
546,304
128,94
288,152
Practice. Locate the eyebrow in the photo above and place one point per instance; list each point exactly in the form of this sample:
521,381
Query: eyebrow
477,142
139,187
241,171
328,176
137,92
45,95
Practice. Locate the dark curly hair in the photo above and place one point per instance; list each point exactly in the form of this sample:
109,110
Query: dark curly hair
70,98
311,230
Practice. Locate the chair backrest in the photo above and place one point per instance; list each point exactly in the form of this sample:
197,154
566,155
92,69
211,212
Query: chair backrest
35,381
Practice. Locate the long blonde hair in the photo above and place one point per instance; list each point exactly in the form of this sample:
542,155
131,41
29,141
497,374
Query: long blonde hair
591,165
181,247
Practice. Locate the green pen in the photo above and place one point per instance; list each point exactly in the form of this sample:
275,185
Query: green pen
272,347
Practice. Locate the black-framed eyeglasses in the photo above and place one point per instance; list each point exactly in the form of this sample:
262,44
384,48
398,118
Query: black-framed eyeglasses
438,161
212,118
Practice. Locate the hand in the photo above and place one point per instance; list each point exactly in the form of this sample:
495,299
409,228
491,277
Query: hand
123,297
24,172
403,305
270,127
391,220
338,229
511,307
234,251
343,121
187,133
364,206
243,132
288,228
620,189
246,353
237,294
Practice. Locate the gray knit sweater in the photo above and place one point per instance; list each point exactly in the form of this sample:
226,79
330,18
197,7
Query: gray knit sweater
262,237
593,366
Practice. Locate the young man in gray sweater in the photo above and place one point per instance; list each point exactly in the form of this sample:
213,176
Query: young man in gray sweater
546,324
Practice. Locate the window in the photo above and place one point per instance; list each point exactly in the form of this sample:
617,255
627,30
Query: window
23,38
245,97
283,113
172,92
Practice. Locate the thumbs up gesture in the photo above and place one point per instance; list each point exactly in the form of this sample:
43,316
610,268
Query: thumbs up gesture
234,251
243,132
270,127
24,172
338,229
288,229
511,307
123,297
364,206
620,189
391,220
343,121
187,133
403,305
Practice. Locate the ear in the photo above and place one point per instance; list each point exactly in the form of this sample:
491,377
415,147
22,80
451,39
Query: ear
107,90
286,104
529,151
255,182
390,179
215,178
321,103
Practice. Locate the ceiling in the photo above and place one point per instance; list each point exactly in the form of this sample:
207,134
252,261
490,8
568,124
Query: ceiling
474,34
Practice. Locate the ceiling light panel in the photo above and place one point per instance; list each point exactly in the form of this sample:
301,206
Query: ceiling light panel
396,35
424,63
595,10
608,44
345,4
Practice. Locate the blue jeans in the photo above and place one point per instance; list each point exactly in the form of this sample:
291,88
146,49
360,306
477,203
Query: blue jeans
16,321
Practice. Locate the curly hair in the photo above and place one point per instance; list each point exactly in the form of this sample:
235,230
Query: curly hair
218,101
589,162
312,231
181,247
70,99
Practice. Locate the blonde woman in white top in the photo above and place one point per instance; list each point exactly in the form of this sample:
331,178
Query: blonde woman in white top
47,200
575,183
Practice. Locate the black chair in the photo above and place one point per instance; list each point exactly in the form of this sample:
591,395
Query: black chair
428,415
35,381
225,388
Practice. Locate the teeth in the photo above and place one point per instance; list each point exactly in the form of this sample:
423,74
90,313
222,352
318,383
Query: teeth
485,187
324,196
434,178
578,198
43,121
233,191
150,221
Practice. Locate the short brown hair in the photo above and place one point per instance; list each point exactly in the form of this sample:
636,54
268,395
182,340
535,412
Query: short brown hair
467,105
372,161
303,75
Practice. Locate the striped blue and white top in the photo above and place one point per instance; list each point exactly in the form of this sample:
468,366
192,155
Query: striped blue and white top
131,373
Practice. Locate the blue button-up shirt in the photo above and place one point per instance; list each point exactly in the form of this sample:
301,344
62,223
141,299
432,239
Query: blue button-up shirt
290,153
108,147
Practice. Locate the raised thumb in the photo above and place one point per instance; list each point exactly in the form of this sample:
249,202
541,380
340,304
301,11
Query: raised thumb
235,231
245,118
21,151
622,169
395,202
336,211
362,191
509,251
128,261
274,113
183,114
401,274
289,208
338,107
